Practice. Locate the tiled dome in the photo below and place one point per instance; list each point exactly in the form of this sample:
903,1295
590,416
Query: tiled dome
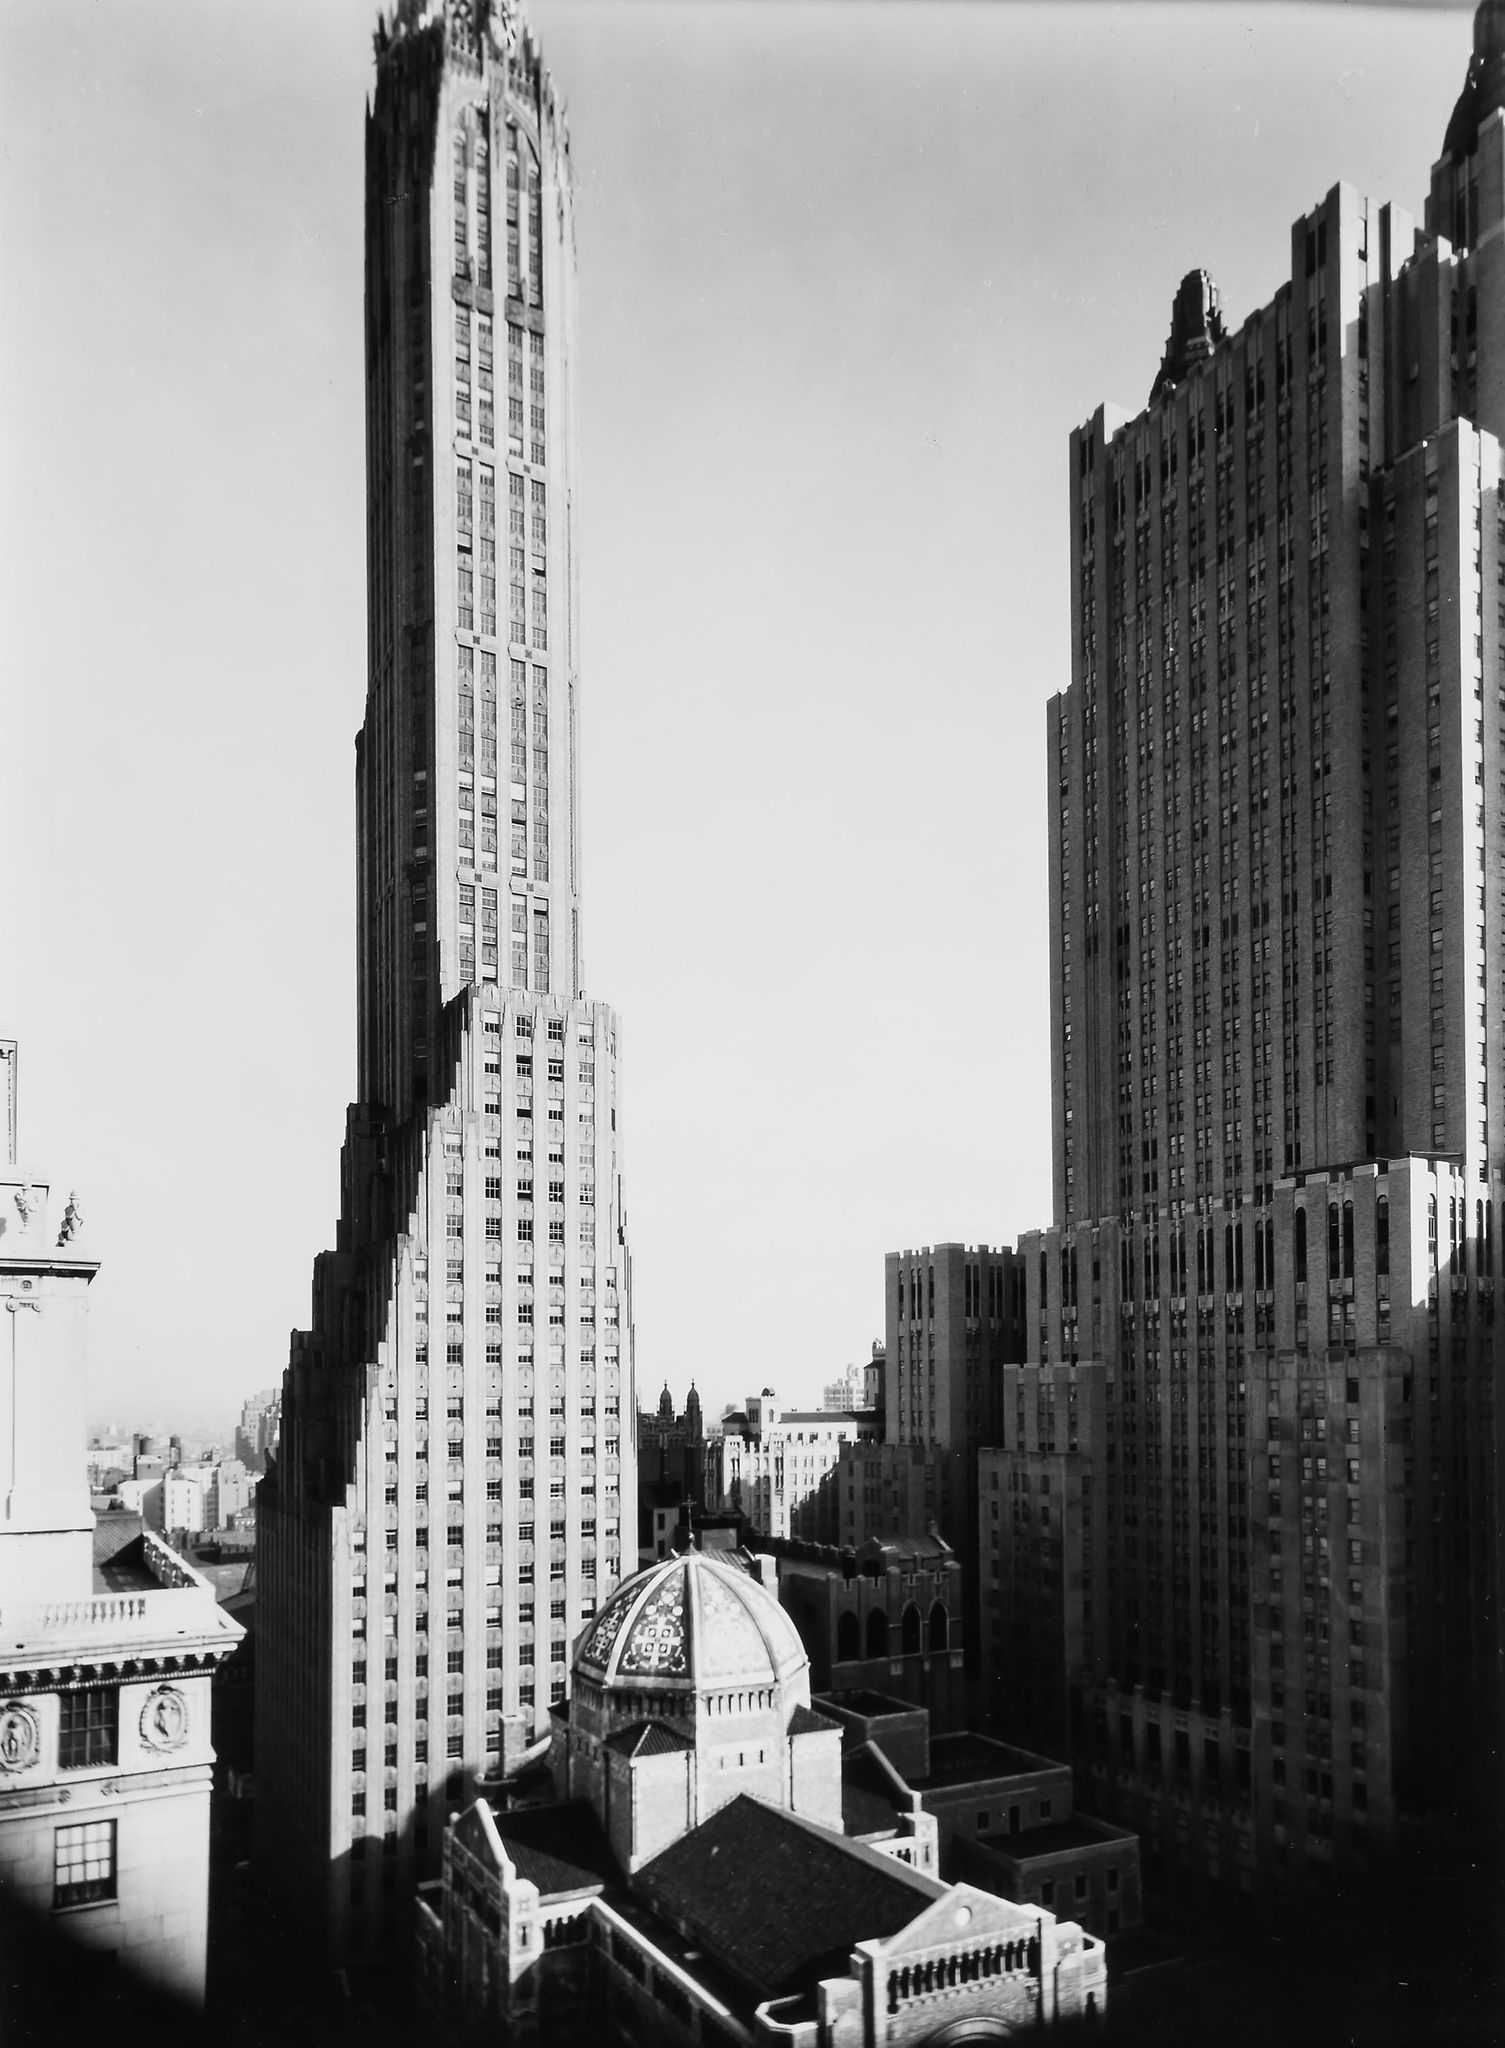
694,1622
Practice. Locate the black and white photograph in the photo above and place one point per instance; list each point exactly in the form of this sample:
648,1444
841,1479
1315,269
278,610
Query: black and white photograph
752,1022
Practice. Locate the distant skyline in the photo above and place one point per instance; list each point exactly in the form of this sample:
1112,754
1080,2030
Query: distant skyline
849,275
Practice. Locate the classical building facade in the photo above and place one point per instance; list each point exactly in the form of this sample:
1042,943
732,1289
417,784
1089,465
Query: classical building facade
108,1645
1245,1509
693,1878
446,1504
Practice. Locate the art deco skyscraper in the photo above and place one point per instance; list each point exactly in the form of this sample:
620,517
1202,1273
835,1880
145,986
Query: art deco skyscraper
446,1505
1251,1470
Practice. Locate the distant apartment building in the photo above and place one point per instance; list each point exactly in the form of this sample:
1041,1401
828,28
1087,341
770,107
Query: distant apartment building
107,1460
257,1432
777,1466
860,1386
108,1643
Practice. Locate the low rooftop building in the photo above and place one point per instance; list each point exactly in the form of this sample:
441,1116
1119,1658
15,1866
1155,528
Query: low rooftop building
998,1817
704,1871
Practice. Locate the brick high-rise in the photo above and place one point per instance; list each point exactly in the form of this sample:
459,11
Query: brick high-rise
446,1506
1278,1060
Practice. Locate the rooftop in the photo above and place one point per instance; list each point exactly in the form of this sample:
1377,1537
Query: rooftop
560,1848
959,1759
1054,1839
691,1622
647,1738
815,1897
861,1699
119,1561
144,1600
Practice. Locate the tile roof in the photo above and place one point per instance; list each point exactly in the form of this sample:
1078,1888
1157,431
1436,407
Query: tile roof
779,1901
559,1848
119,1556
647,1738
805,1721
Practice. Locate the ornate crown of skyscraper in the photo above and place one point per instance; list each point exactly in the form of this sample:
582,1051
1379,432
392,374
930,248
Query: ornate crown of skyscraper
1484,87
1196,330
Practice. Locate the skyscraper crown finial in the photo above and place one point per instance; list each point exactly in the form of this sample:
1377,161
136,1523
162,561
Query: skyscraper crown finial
1484,88
1196,329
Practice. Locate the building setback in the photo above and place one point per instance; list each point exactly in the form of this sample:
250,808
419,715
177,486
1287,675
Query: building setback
1266,1576
445,1507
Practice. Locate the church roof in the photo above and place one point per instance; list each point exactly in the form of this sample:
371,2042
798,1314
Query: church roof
813,1897
647,1738
693,1622
558,1847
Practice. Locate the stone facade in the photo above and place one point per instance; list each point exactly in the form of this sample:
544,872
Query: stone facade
886,1616
778,1466
1240,1530
457,1460
108,1643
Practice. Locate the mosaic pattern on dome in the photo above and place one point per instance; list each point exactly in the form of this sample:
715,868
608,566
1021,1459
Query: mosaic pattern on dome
604,1634
655,1645
728,1641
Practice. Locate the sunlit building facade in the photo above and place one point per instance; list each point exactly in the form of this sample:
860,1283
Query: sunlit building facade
446,1507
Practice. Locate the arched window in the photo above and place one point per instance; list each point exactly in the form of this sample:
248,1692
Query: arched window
1348,1240
909,1630
877,1632
1300,1245
940,1627
1382,1235
1333,1269
848,1636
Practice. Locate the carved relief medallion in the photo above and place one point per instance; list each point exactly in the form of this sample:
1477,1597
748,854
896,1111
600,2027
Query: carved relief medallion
20,1740
164,1719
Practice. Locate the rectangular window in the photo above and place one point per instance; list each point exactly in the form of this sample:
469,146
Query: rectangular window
83,1862
89,1725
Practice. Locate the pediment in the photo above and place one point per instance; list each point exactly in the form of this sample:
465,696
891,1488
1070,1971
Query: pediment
965,1915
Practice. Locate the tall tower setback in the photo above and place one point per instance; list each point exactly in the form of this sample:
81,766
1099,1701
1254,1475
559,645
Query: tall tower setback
1277,869
445,1510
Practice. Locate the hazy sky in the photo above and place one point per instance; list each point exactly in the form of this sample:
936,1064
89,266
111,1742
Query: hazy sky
849,275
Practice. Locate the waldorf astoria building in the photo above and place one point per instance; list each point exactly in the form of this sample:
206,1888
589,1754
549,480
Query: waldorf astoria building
446,1507
1242,1531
